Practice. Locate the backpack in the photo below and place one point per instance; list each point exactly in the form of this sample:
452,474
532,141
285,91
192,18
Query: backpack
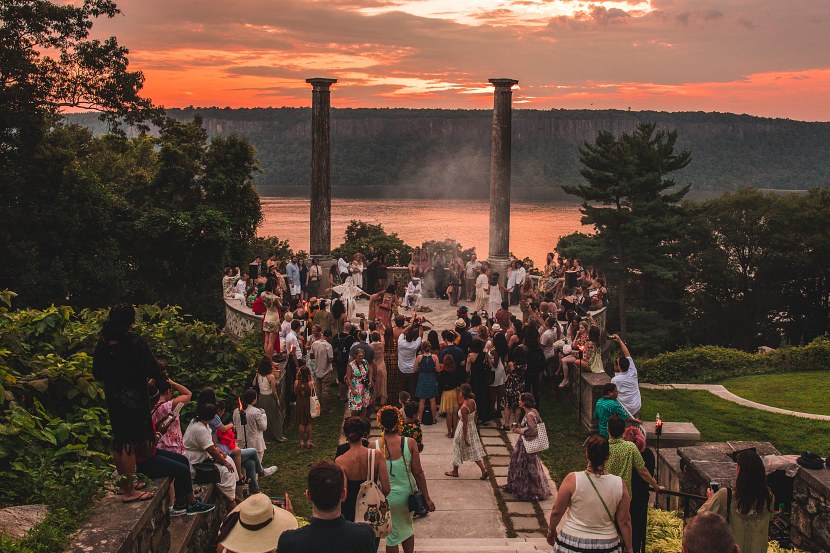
371,507
341,350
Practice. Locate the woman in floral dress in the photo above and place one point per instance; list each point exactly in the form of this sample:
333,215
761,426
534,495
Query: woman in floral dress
525,476
360,385
466,445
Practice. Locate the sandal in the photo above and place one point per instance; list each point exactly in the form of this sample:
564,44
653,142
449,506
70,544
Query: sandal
144,496
450,474
309,445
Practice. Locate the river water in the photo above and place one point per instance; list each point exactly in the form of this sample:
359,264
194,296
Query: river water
534,227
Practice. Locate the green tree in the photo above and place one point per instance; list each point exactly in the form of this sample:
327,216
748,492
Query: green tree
626,199
48,62
756,270
360,235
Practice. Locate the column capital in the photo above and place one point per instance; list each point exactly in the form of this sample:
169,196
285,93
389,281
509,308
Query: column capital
503,83
320,83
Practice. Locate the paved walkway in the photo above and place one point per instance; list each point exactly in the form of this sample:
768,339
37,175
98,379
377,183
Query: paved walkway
471,514
723,393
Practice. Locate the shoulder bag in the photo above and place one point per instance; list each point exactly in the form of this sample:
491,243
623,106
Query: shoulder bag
206,472
540,442
417,503
371,507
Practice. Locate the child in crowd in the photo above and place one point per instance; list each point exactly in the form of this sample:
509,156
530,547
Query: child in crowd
403,399
411,425
225,439
303,388
171,439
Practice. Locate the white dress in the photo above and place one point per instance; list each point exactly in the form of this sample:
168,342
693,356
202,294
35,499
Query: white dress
357,273
349,292
462,452
495,299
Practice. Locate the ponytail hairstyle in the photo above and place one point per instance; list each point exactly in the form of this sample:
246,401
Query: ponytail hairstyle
467,391
596,447
248,397
355,428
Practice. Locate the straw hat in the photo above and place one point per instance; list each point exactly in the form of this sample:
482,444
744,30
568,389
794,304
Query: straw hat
313,300
460,323
496,327
259,526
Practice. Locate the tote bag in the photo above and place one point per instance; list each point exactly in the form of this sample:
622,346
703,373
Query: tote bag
314,403
371,507
540,442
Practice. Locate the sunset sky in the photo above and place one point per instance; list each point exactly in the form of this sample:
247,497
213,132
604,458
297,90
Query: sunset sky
762,57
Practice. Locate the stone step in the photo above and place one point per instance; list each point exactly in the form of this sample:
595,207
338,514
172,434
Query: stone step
480,545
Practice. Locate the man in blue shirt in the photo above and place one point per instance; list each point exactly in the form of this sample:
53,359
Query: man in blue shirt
328,532
292,271
608,405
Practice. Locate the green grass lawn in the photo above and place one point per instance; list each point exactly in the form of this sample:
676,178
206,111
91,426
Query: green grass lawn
566,453
799,391
719,420
293,463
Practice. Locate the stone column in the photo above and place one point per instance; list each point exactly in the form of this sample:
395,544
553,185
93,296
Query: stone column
499,257
320,219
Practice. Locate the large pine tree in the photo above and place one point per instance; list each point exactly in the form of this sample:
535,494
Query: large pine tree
628,200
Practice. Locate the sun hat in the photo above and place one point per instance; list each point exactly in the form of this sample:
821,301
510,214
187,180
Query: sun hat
256,525
460,323
313,300
496,327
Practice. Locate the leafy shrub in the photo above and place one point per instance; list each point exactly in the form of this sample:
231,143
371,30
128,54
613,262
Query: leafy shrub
704,364
53,420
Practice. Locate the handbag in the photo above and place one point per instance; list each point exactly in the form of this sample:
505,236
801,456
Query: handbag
206,472
607,511
314,403
371,507
417,503
540,442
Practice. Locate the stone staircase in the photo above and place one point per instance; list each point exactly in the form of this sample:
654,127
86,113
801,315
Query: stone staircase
480,545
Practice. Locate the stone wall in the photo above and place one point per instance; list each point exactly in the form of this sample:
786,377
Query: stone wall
117,527
239,319
811,510
146,526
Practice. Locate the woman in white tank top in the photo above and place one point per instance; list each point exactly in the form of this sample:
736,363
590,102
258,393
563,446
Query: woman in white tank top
591,501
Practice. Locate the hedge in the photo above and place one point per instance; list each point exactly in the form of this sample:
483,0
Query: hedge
706,364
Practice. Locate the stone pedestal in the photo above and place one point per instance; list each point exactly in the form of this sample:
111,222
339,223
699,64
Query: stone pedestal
320,216
500,159
811,510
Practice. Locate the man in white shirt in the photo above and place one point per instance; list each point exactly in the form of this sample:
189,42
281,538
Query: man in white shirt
408,343
323,355
628,386
292,340
470,274
548,340
343,268
412,298
520,275
315,273
241,288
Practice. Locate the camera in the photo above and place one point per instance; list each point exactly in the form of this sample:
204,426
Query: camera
715,486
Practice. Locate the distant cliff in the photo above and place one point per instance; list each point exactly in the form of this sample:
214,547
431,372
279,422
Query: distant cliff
407,152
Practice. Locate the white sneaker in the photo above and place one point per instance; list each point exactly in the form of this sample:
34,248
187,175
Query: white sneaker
268,471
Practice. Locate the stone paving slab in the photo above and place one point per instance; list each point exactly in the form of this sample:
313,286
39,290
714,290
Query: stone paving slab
460,523
525,524
521,508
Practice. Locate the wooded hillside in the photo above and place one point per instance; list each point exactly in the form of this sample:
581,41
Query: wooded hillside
408,151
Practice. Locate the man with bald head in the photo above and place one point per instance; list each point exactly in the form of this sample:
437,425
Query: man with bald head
708,533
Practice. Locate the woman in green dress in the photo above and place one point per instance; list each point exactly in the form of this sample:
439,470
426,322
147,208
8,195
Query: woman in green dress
405,476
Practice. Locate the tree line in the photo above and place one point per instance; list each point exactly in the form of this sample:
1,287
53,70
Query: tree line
743,270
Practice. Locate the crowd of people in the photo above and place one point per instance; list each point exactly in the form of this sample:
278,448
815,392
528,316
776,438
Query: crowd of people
491,368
